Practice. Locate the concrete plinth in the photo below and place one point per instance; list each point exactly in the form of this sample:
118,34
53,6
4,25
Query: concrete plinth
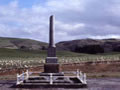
50,80
51,68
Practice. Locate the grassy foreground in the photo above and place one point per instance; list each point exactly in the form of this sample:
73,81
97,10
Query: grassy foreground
11,59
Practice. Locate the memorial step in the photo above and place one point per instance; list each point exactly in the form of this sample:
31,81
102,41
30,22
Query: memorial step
36,78
53,74
59,85
36,81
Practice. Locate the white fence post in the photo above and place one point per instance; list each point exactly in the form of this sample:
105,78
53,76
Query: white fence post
18,79
27,74
51,78
84,80
78,73
81,75
23,76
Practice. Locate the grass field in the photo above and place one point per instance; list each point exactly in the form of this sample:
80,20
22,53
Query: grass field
15,60
11,58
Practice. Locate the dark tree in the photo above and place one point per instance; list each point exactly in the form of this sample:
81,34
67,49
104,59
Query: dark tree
91,49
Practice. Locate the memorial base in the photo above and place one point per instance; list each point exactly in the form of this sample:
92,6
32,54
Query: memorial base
51,80
51,68
51,60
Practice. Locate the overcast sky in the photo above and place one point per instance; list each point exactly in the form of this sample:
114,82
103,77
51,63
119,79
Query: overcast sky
74,19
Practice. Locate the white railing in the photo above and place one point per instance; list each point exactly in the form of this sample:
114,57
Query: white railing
22,77
81,76
25,75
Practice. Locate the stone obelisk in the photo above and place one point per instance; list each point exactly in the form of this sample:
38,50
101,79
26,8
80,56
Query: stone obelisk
51,65
52,47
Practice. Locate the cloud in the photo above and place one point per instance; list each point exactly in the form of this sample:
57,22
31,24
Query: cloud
75,19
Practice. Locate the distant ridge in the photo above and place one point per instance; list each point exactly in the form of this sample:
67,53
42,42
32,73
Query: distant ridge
91,46
18,43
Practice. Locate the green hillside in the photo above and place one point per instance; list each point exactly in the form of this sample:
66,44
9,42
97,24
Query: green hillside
17,43
17,53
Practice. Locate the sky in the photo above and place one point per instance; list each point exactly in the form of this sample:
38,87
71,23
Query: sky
74,19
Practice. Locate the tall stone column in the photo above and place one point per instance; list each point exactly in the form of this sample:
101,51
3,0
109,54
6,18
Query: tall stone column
51,65
51,48
51,32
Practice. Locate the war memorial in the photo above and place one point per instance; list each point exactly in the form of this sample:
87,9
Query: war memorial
52,76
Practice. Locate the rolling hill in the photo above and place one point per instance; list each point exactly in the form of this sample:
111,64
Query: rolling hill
25,44
91,46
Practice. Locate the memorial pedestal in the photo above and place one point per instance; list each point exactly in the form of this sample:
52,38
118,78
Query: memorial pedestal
51,65
51,68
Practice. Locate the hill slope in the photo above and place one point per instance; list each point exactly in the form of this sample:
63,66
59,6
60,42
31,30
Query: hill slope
91,46
17,43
